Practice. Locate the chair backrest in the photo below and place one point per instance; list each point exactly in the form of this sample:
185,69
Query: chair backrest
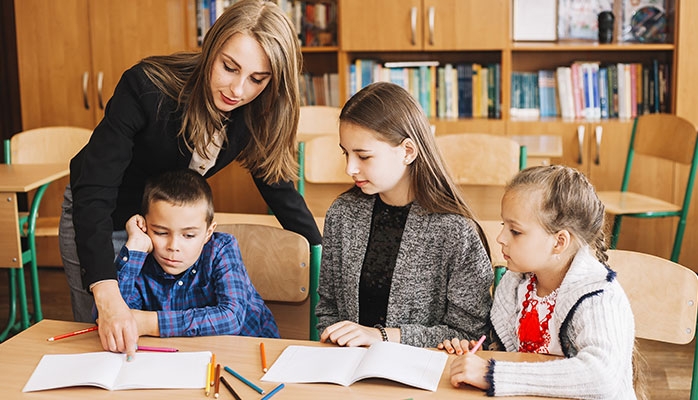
480,158
663,295
325,176
665,136
318,120
54,144
481,165
278,263
491,228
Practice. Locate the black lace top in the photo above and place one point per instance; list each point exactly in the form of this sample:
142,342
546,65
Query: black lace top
387,225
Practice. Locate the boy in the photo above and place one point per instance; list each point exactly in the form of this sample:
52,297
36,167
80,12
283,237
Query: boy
178,276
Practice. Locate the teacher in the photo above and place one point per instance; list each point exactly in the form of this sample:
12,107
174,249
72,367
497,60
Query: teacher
237,99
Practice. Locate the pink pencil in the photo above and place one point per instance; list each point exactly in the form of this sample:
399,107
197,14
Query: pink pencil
158,349
478,344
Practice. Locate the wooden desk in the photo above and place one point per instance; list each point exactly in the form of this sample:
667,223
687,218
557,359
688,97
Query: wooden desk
21,178
22,353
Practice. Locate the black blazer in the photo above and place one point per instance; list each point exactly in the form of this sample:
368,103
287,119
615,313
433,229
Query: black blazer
137,139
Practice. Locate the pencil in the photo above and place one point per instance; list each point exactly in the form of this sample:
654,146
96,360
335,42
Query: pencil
244,380
157,349
230,388
478,344
65,335
216,385
263,354
207,387
210,374
273,392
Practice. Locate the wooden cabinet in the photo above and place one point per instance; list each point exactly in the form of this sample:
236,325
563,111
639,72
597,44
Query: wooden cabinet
414,25
71,53
70,56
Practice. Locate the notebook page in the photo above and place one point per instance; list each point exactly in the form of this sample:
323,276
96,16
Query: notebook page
64,370
410,365
305,364
181,370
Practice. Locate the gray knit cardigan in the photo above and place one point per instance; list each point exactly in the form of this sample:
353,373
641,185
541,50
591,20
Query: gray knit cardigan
440,285
596,331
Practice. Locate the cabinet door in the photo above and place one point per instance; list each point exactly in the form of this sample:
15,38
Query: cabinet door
608,149
458,24
125,31
385,25
53,55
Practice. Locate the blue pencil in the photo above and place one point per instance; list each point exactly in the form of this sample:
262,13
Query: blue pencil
244,380
273,392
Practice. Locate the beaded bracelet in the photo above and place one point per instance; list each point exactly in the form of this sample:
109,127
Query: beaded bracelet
384,334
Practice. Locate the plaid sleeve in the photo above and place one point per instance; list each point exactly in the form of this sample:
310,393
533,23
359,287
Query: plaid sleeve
128,267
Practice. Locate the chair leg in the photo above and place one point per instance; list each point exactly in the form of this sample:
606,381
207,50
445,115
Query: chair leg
678,239
12,313
694,379
616,231
315,257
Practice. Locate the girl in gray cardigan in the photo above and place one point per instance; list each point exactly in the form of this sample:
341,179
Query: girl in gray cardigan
558,297
403,260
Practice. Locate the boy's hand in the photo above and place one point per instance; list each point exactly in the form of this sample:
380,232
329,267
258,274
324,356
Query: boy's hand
138,240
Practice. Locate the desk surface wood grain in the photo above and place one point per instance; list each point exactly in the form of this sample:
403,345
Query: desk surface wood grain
22,353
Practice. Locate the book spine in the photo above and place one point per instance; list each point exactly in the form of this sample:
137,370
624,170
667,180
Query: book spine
613,90
497,91
577,87
655,75
603,92
595,91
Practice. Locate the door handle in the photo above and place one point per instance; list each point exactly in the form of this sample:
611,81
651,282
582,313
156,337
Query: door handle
413,23
431,25
598,133
85,98
100,84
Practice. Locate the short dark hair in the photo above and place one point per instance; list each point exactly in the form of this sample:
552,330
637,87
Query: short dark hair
178,187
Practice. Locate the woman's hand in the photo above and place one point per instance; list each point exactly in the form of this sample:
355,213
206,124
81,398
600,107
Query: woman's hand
138,240
469,369
350,334
456,346
118,330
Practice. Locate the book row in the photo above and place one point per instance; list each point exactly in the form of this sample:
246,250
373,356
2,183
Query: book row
461,90
589,90
320,90
315,21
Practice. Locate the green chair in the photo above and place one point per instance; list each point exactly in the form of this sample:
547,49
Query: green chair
314,121
663,296
36,146
285,271
659,136
481,165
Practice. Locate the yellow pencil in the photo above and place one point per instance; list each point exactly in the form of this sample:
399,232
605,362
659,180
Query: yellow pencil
207,386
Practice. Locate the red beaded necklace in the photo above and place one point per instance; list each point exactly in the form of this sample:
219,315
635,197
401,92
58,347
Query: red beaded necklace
534,336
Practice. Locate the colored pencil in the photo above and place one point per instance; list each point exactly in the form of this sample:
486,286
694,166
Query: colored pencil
217,385
478,344
273,392
65,335
244,380
263,354
230,388
157,349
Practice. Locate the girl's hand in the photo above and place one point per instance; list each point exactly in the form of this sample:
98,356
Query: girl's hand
350,334
456,346
138,240
469,369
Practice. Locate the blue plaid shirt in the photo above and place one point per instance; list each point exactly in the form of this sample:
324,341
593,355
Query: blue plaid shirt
213,297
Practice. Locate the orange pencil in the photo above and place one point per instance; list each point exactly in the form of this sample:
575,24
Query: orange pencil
217,385
263,354
80,332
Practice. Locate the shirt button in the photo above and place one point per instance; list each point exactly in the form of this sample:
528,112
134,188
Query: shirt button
180,283
193,271
125,258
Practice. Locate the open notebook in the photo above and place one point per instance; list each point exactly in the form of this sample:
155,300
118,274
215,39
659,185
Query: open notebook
181,370
414,366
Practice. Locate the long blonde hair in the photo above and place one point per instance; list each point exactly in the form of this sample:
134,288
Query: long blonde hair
392,112
272,117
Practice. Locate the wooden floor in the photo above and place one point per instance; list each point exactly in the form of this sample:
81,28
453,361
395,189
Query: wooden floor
669,372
